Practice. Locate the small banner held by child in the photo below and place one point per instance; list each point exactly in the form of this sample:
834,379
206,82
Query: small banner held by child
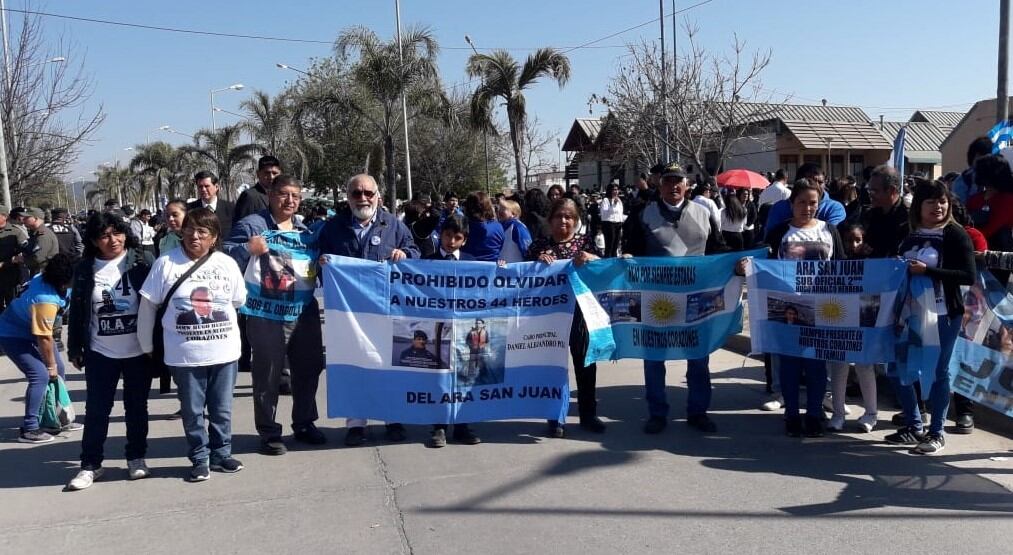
981,367
662,308
839,310
430,342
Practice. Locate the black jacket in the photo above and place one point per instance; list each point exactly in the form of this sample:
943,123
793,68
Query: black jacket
252,200
79,319
225,211
884,231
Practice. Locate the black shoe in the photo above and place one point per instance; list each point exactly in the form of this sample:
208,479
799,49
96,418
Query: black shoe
965,424
703,423
905,436
464,435
655,425
310,434
228,466
272,447
199,473
793,426
813,427
355,437
396,433
438,439
592,424
285,388
555,430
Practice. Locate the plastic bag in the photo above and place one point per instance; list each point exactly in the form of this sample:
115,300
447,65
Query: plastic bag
64,407
57,410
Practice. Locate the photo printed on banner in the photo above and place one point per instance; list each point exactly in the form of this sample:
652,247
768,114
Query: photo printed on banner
422,343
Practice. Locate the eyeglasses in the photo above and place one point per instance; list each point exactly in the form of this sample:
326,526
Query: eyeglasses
199,232
288,196
359,193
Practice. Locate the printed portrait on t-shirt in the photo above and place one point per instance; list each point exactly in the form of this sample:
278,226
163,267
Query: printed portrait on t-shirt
203,309
115,306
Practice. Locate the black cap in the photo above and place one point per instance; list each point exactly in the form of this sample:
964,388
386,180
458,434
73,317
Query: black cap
673,170
658,168
419,334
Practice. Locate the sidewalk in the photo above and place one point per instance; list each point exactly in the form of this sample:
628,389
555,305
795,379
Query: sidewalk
747,489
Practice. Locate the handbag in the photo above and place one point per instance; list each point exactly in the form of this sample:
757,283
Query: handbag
158,366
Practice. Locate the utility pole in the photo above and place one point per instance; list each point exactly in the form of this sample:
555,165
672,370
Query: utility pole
664,83
675,76
1002,95
404,112
7,76
485,130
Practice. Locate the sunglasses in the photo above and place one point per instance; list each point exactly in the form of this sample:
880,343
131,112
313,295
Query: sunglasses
360,193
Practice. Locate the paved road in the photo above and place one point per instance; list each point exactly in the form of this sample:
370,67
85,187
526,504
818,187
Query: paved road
747,489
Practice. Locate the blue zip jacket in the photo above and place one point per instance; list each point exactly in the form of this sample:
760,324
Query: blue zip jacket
251,226
830,211
386,234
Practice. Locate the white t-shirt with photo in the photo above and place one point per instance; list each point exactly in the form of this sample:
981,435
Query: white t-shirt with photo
807,243
199,325
114,310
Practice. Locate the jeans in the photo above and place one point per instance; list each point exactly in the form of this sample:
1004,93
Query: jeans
300,343
210,386
24,353
102,375
698,382
791,369
939,395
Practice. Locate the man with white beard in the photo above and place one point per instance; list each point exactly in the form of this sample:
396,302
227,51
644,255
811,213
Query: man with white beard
364,231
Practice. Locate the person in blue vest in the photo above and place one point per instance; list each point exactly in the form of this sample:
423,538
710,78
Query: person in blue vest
830,211
964,186
367,232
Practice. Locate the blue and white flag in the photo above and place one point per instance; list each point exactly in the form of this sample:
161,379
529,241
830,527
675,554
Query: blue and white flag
897,156
981,366
661,308
1001,136
280,282
840,310
434,341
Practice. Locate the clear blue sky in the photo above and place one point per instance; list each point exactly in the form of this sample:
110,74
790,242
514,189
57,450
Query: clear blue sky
889,57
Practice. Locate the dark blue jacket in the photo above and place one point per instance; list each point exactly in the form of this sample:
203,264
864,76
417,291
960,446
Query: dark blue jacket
464,257
485,240
338,237
251,226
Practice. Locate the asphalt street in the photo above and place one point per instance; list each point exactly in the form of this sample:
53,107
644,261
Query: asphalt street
746,489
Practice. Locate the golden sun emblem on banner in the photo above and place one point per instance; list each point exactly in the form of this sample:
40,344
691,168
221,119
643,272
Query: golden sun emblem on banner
663,309
833,310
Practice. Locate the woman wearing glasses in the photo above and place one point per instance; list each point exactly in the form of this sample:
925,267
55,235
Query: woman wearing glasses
195,291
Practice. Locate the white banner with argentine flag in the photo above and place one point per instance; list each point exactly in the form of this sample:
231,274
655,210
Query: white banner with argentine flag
661,308
839,310
434,341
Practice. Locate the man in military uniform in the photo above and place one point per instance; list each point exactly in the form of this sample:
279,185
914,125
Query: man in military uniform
12,240
42,243
67,236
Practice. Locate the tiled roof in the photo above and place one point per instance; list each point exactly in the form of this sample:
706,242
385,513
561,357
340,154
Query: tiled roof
757,112
921,136
843,134
582,134
944,120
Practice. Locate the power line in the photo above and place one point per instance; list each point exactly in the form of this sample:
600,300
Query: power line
251,37
644,24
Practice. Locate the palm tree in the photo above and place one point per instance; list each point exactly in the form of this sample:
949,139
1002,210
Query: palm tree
268,121
153,164
111,184
502,77
382,74
221,152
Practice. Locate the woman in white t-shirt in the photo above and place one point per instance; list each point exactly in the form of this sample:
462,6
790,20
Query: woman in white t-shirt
200,335
102,340
612,218
804,237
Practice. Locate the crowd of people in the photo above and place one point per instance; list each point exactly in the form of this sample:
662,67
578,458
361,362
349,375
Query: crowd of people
173,299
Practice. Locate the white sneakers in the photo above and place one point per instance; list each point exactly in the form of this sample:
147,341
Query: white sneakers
867,422
776,402
85,479
136,469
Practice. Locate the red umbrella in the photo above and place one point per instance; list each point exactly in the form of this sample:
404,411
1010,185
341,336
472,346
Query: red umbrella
742,179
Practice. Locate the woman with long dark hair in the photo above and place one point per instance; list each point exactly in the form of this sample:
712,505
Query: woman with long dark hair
612,220
535,213
733,222
485,233
103,342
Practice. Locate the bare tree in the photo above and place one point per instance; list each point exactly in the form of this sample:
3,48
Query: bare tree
46,120
533,151
713,103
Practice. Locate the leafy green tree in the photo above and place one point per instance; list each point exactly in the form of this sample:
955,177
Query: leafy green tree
504,78
154,165
221,152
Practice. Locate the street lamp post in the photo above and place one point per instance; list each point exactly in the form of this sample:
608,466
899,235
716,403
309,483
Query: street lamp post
217,109
404,112
211,94
280,65
485,130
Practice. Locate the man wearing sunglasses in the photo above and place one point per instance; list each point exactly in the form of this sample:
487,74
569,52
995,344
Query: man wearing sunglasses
367,232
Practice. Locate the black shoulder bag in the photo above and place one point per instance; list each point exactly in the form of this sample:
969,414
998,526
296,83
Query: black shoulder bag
159,368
